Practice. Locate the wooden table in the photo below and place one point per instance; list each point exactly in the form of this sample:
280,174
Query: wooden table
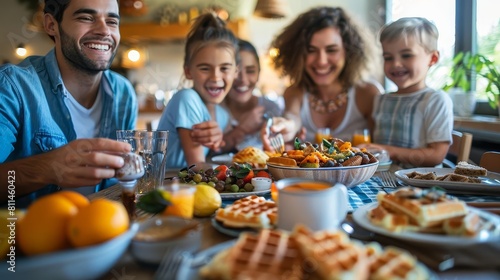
128,268
481,127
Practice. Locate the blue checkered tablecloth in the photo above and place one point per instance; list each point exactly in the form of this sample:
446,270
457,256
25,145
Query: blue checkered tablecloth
366,193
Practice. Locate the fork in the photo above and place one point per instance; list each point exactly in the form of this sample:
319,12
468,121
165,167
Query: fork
277,141
388,179
169,265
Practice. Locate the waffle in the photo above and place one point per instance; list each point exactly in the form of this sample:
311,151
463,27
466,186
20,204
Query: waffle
424,209
268,255
467,225
251,211
254,156
332,254
394,263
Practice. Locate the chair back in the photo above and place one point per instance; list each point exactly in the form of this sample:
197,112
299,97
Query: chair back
491,161
459,149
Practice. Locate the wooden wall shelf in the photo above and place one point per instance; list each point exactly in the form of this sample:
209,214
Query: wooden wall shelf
154,32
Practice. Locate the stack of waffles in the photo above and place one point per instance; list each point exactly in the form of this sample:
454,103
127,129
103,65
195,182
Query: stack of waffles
251,211
268,255
310,255
412,209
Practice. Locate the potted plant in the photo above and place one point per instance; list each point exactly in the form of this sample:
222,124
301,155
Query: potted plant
467,66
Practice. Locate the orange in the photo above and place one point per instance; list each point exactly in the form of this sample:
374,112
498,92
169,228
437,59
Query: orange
101,220
77,198
43,228
274,192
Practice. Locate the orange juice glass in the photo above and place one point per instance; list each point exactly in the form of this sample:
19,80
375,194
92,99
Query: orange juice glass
361,136
322,133
182,199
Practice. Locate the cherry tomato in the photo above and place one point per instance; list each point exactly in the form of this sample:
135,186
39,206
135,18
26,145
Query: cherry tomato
221,172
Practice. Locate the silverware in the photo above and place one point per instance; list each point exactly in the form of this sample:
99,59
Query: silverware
388,179
277,141
169,265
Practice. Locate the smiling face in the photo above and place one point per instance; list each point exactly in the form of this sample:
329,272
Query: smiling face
88,36
213,70
325,57
248,76
406,63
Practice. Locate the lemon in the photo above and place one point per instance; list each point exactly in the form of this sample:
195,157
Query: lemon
206,200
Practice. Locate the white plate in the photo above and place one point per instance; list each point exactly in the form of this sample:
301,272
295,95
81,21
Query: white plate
225,159
191,264
238,195
360,216
84,263
234,232
490,183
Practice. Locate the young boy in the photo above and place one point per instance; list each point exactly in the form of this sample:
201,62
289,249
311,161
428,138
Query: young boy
413,124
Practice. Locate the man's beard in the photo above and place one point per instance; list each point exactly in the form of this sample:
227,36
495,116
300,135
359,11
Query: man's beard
73,54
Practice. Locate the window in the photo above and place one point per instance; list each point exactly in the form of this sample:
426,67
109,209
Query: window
464,25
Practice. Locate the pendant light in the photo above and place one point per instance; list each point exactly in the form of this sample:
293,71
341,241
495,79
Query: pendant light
271,9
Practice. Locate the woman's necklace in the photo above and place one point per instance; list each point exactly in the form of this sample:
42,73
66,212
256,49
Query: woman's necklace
329,106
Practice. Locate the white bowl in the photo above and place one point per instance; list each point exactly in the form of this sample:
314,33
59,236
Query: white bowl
349,176
261,183
83,263
178,235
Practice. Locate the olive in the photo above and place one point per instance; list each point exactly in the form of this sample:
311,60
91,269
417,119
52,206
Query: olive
219,186
234,188
240,183
197,178
329,163
209,172
248,187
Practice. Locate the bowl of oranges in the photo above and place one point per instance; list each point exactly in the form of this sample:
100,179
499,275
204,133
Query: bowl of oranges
66,236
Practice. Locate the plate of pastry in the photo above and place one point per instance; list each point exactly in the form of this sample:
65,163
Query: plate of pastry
250,213
475,179
278,254
428,216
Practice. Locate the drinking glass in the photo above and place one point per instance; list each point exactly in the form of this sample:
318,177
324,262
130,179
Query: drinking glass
182,199
152,147
321,133
361,136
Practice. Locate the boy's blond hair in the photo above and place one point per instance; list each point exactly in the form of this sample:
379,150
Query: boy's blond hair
424,32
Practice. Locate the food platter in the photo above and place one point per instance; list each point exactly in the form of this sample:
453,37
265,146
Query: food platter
490,184
491,235
191,264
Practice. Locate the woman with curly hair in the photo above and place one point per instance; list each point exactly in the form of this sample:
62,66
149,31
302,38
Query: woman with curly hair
329,60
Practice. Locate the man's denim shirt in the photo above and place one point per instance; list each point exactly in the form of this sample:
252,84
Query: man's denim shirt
34,118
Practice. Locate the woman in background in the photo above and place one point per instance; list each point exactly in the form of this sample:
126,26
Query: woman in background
329,60
247,110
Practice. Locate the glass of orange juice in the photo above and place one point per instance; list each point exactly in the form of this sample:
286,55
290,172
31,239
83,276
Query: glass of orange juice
361,136
182,199
321,133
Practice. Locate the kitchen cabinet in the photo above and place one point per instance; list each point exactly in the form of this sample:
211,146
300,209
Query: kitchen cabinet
140,32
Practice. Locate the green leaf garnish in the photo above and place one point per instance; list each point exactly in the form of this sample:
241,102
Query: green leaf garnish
153,202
